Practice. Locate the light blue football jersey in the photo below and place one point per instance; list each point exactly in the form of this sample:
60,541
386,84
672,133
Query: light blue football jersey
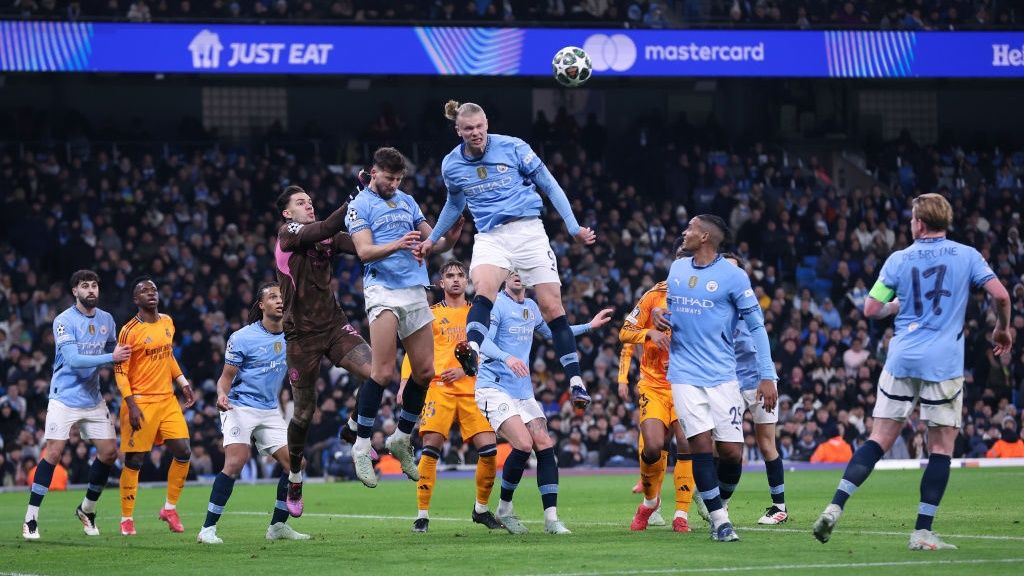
259,356
705,303
512,327
932,278
388,220
746,357
497,186
91,336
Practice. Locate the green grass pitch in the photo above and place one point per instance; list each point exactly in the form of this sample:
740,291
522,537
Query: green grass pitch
366,532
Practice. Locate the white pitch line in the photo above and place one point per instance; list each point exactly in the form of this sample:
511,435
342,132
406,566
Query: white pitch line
768,568
740,529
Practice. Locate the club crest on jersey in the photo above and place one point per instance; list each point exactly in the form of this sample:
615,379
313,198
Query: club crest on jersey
103,330
711,286
693,282
167,331
501,168
481,172
92,330
277,347
148,340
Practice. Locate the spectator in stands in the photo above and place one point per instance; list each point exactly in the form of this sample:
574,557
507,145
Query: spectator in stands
835,450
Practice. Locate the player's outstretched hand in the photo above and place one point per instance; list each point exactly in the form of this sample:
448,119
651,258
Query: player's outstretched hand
423,250
122,353
586,236
222,403
518,366
768,394
601,318
1002,341
190,396
660,317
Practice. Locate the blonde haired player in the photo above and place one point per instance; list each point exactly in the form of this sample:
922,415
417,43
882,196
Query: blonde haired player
451,398
501,180
150,413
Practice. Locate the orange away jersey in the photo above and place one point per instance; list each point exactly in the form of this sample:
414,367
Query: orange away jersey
150,371
654,361
449,329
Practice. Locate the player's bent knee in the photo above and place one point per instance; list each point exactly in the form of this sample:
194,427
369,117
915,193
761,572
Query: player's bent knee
383,376
134,460
301,419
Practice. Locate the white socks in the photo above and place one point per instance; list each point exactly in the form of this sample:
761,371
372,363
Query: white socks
88,506
362,446
682,514
551,514
399,435
504,508
718,517
32,513
650,503
169,506
479,508
422,514
295,477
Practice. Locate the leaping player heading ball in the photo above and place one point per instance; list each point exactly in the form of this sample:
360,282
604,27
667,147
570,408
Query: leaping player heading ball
499,178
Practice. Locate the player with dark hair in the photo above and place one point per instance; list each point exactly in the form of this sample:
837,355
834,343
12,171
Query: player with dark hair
85,340
450,399
926,286
247,397
314,324
706,297
386,226
500,179
504,393
150,413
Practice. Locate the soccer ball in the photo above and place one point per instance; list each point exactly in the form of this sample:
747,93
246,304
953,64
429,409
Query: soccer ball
571,66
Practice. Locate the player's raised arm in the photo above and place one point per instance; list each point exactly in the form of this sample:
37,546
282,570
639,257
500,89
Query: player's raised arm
533,168
302,229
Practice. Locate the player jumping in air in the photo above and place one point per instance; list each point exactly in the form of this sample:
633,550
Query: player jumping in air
450,399
706,297
314,324
247,392
499,177
386,225
927,286
504,393
150,413
85,339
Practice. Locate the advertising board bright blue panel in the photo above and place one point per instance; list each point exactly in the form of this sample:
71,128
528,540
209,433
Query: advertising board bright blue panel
374,50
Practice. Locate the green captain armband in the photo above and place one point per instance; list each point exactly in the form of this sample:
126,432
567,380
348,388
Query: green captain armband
882,293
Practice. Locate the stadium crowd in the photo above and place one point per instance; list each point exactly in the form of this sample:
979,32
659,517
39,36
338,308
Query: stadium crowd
867,14
201,222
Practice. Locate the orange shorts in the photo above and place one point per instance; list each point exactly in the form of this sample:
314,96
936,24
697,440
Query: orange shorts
656,402
161,421
441,411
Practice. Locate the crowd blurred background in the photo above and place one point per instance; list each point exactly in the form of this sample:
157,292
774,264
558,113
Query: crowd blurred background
800,14
200,221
